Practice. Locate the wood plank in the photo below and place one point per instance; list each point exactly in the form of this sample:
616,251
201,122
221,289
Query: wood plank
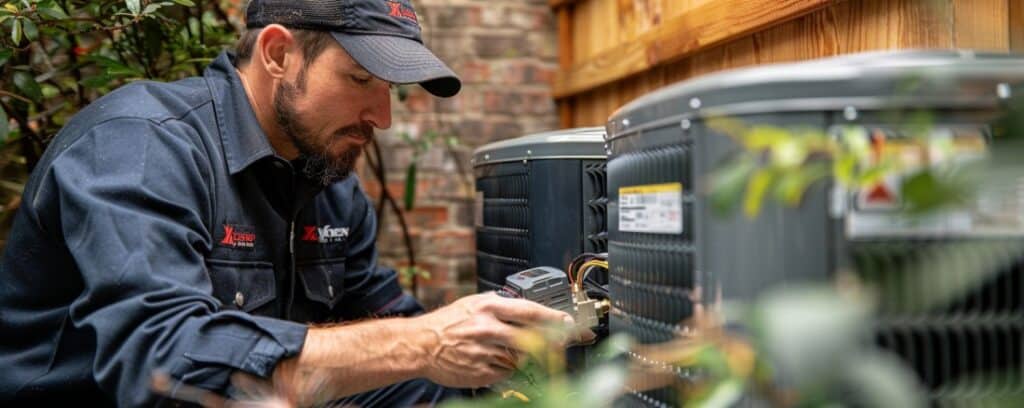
704,26
564,38
846,27
1016,25
981,24
565,107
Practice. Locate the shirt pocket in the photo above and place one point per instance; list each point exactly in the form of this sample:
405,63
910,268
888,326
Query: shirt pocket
242,285
323,279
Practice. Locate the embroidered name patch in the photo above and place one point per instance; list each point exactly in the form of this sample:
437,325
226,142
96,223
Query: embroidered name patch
239,236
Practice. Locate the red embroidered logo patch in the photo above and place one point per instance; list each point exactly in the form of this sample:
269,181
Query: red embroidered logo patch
239,236
399,10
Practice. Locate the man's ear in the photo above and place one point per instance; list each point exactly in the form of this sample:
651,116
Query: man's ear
275,48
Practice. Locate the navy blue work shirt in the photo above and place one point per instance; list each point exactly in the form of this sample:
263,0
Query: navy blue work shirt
160,232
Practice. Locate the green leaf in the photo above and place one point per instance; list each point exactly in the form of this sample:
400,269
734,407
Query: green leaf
28,86
30,29
50,91
843,168
756,189
115,68
186,3
934,189
410,186
151,8
54,12
789,152
762,137
794,182
725,394
133,6
728,183
16,32
5,55
97,81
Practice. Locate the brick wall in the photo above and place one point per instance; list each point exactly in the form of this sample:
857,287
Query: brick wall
505,52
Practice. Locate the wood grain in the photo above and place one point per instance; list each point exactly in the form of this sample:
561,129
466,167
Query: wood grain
1016,25
982,24
709,24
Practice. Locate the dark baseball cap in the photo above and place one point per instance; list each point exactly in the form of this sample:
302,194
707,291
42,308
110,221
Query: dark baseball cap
381,35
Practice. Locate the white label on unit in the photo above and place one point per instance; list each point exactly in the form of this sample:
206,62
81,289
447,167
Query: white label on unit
654,208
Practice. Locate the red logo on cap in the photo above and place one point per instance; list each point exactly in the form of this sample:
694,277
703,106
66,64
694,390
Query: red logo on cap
397,10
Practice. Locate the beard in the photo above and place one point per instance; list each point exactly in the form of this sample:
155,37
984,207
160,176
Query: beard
319,165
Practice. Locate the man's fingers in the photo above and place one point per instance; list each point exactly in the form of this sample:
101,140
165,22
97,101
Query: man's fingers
525,312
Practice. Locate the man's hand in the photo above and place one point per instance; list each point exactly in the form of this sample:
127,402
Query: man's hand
473,341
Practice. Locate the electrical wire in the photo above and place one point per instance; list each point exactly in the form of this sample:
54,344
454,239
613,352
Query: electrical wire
571,269
585,269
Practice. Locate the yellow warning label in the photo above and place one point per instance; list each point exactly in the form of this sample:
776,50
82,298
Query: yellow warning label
652,188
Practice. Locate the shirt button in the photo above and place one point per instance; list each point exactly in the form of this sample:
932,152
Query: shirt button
239,299
330,291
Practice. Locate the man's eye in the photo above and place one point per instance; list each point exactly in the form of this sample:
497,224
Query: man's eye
360,79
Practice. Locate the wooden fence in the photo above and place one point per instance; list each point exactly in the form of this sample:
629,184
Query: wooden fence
612,51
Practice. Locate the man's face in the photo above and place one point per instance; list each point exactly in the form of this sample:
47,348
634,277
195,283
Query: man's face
329,110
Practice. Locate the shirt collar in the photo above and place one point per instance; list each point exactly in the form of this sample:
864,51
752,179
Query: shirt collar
241,135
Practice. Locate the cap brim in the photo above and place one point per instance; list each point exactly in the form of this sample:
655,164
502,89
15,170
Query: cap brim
400,60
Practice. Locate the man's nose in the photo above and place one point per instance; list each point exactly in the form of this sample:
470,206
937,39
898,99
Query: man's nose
378,113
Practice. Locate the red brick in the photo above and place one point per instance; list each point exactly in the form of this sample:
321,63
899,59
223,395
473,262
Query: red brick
372,187
427,217
473,71
449,242
505,45
452,16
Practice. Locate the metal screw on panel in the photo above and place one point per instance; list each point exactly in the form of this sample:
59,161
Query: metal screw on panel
487,157
239,299
695,103
850,113
1003,91
529,152
625,122
685,124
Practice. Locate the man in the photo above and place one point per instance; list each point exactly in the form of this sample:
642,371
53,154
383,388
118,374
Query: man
195,228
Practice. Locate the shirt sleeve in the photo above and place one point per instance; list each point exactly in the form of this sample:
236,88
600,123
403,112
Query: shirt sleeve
134,201
370,289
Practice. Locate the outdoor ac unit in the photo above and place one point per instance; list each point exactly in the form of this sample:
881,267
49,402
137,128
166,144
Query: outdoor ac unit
540,201
669,251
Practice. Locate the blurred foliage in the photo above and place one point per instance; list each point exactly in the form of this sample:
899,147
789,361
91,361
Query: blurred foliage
806,346
782,164
56,56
